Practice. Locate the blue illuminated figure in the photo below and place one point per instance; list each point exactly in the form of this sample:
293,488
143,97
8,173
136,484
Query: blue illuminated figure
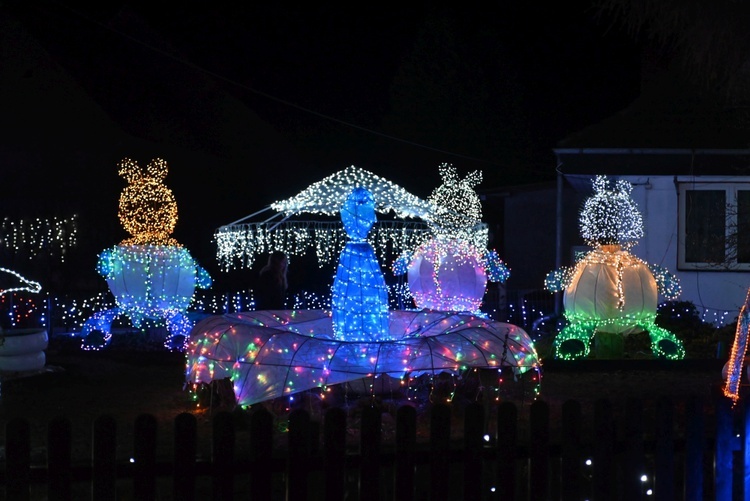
360,295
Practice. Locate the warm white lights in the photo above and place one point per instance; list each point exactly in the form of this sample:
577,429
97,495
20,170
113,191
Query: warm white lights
37,236
238,244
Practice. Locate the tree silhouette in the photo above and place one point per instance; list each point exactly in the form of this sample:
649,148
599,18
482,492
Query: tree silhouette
457,90
709,39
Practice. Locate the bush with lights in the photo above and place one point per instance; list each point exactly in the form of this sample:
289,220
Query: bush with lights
610,292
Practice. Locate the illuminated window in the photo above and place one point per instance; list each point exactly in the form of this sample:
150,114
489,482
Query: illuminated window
714,226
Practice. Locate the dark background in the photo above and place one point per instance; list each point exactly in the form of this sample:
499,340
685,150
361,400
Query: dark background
251,103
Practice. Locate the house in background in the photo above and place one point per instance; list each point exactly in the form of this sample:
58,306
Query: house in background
687,155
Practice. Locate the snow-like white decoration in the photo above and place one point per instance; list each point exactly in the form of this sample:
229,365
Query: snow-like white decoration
239,243
329,194
611,216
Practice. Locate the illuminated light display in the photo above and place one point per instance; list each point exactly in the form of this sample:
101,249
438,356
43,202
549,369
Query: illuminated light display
449,272
21,349
238,243
359,299
609,290
274,354
38,236
270,354
732,370
150,274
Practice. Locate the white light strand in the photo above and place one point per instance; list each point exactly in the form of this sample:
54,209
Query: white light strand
239,245
329,194
54,236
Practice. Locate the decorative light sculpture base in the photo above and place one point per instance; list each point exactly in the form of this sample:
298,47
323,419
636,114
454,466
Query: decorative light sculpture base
23,349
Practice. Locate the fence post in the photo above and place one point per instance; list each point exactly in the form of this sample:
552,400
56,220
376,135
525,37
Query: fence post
634,455
539,450
694,450
222,455
299,455
664,475
261,450
571,468
104,468
185,450
406,440
17,459
59,450
604,450
724,448
334,447
440,429
507,450
144,455
370,437
473,433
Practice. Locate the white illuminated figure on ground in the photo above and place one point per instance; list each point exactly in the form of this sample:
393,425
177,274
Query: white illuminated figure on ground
270,354
150,274
449,272
609,290
21,349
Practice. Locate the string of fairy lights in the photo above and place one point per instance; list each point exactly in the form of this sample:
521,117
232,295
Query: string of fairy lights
237,246
595,299
54,236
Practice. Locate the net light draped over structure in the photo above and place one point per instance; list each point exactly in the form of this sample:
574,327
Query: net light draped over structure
270,354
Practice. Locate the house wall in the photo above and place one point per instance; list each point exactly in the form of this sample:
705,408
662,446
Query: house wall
718,295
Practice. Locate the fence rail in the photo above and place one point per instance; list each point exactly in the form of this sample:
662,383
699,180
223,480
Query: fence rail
687,460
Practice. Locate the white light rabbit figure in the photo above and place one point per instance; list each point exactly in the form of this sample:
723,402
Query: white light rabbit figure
609,290
449,272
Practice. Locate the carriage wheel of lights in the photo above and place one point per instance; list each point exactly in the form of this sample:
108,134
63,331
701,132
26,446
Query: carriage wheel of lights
609,290
270,354
239,243
150,274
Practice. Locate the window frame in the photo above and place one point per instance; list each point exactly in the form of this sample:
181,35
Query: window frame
731,190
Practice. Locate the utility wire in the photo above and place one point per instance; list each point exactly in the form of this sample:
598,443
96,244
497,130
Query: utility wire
265,94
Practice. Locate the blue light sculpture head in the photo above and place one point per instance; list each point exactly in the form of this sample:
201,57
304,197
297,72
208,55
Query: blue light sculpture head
358,214
359,299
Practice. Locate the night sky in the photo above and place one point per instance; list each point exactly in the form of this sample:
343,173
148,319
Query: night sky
252,103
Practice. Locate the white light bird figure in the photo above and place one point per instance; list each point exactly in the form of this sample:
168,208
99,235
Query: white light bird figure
11,281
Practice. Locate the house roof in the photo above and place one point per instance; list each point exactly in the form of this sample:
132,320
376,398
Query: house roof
670,128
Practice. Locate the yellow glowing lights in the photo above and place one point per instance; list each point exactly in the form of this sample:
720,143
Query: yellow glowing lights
148,209
37,236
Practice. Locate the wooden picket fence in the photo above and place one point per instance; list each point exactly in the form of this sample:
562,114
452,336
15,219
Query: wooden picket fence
687,460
